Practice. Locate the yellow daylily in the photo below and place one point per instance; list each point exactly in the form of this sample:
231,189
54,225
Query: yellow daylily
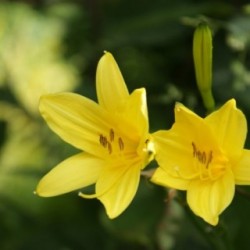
205,157
113,135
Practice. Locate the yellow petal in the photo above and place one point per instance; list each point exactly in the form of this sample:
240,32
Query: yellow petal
162,178
111,173
121,193
76,172
174,148
110,86
230,128
135,113
208,199
174,154
77,120
242,169
193,128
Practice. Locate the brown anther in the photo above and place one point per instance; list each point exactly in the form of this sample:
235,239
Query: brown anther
194,149
109,147
103,141
111,135
121,144
210,157
202,156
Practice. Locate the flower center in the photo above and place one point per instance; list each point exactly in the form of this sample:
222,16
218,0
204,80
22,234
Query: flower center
210,164
117,145
205,158
111,143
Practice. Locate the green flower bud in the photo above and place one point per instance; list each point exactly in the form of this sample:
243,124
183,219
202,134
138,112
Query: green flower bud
202,53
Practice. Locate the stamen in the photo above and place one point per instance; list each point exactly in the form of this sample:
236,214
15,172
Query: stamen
194,149
121,144
210,157
109,147
111,135
150,147
103,141
202,156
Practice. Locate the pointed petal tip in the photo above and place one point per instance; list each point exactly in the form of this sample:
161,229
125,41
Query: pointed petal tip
106,52
212,221
110,85
231,102
106,56
181,108
40,192
141,90
112,216
178,106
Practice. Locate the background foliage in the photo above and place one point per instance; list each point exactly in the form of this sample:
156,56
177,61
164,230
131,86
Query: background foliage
51,46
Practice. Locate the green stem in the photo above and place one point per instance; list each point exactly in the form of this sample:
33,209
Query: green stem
208,100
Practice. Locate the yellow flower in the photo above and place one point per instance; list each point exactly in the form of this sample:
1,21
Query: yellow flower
205,157
113,135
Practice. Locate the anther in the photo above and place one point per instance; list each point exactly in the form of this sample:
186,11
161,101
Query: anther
103,141
111,135
121,144
109,147
202,156
149,147
194,149
210,157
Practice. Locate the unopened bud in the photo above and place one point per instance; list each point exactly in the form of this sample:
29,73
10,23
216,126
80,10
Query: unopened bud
202,53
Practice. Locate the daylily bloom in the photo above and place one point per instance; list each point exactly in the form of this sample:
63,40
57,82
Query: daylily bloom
205,157
113,135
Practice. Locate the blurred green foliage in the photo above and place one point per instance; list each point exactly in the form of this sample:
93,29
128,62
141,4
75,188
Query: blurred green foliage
52,46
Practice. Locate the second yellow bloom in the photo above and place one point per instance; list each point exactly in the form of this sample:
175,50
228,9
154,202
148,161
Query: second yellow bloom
205,157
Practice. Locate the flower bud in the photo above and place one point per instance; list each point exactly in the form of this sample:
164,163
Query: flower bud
202,53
